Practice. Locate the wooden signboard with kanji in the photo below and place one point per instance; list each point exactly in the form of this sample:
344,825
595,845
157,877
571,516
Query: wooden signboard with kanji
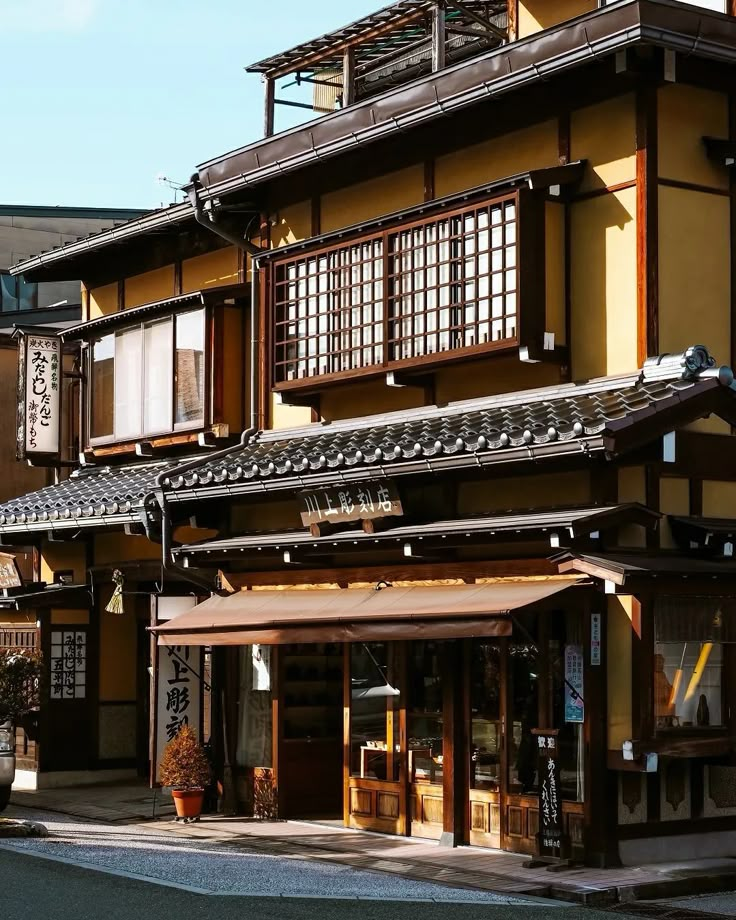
359,501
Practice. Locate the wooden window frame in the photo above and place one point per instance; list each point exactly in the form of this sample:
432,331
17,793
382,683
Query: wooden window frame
529,291
211,363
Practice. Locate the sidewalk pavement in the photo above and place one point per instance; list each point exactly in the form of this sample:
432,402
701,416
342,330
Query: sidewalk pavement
329,842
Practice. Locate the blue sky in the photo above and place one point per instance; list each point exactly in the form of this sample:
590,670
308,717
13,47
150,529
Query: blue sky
99,97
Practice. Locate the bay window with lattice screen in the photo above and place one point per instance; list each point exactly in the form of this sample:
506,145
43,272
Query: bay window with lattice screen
425,291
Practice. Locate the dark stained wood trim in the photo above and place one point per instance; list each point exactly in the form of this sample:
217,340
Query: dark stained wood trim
218,355
651,477
346,749
265,362
563,137
604,190
429,179
178,283
513,13
121,295
454,773
642,670
269,105
531,298
696,497
647,212
600,783
676,828
732,193
512,568
693,187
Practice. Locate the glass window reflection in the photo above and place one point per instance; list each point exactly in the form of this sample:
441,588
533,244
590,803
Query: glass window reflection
375,703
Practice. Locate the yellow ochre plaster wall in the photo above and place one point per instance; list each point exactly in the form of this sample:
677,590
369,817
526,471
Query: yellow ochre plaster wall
372,198
118,640
619,676
535,15
60,557
687,114
110,548
288,416
213,269
694,271
292,223
674,498
605,136
149,287
69,617
719,499
632,487
524,492
603,285
555,271
531,148
103,300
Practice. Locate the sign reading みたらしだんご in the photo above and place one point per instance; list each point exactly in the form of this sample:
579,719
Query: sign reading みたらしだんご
358,501
40,373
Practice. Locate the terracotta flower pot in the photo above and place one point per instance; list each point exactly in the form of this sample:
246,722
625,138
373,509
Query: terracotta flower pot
188,802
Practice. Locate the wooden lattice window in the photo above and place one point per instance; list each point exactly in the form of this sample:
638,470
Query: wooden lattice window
447,283
20,638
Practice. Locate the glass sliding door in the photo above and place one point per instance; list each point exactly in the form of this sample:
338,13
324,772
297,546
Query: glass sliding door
425,727
376,786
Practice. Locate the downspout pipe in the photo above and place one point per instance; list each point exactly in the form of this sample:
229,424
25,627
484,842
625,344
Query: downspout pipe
207,218
156,509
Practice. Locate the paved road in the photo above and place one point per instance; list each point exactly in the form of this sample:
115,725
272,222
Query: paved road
720,905
34,888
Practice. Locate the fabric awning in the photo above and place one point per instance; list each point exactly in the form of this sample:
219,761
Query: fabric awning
273,617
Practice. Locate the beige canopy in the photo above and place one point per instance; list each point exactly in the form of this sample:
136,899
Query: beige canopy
356,615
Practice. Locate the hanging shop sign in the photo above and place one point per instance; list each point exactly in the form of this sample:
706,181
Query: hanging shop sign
359,501
550,838
595,639
177,682
574,684
9,572
39,397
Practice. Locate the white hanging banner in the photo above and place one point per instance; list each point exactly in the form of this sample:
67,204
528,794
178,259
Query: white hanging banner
261,667
39,384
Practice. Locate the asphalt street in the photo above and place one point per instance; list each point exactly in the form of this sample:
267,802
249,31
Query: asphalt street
35,887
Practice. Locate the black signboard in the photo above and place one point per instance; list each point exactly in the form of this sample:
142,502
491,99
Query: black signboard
550,797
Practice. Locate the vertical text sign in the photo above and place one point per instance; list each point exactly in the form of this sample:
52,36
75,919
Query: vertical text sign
574,684
42,391
550,798
595,639
179,693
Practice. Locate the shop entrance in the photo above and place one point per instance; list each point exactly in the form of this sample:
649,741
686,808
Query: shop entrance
311,731
399,740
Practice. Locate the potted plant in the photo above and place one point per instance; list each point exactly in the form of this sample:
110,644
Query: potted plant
184,767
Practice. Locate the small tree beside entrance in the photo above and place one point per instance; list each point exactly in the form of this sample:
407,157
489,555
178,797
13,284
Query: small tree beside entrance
20,683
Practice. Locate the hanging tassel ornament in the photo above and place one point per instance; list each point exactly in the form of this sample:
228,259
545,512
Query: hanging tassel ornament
116,601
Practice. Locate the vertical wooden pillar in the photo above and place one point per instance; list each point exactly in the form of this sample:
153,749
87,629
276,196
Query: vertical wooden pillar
438,36
269,106
455,753
601,847
348,77
346,739
647,222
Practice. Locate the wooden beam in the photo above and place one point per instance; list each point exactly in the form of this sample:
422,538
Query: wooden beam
454,772
348,77
269,106
476,17
647,223
439,37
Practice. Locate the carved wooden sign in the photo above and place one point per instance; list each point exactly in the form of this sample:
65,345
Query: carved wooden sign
359,501
9,573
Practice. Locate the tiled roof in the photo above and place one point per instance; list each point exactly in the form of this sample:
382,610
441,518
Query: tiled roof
91,496
551,420
546,422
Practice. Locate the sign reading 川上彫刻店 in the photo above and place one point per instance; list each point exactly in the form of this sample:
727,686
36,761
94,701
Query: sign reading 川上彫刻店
358,501
39,396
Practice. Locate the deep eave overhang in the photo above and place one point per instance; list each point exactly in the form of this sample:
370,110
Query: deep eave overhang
150,222
577,522
111,321
601,33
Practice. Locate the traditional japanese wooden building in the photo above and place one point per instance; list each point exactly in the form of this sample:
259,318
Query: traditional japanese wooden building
463,454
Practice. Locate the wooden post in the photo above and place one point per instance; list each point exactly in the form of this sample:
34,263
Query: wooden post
438,37
270,105
454,778
348,77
